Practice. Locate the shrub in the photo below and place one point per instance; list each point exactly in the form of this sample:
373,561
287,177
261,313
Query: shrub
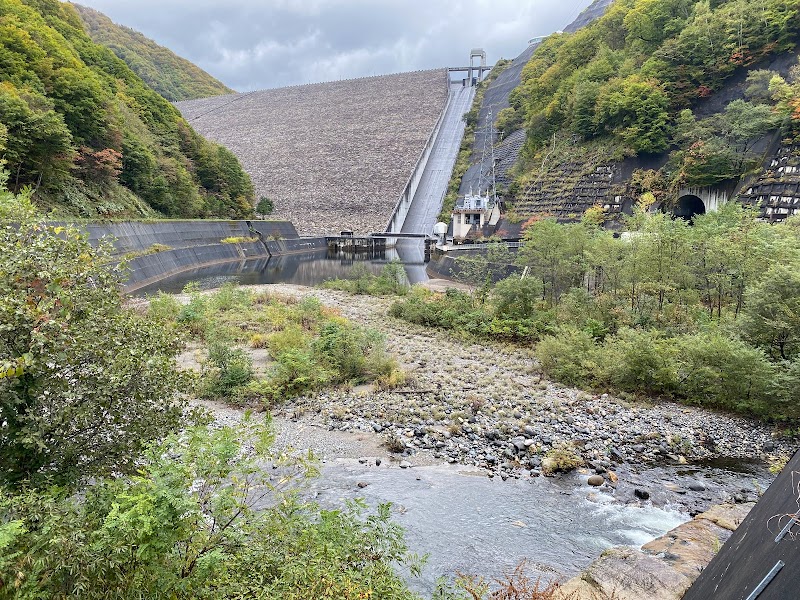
391,380
561,459
292,337
565,355
163,307
229,297
259,340
233,368
718,371
86,383
308,312
295,373
516,298
636,360
193,314
202,519
353,353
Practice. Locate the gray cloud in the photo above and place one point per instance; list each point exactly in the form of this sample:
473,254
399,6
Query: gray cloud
250,45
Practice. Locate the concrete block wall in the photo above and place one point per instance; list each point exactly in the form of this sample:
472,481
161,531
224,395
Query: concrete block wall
148,269
138,236
194,244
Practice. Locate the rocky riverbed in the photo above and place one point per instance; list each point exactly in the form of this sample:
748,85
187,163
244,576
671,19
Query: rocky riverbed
488,406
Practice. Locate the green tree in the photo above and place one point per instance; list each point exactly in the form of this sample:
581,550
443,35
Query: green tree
87,383
517,298
758,85
772,311
265,206
555,255
635,109
650,22
716,370
728,252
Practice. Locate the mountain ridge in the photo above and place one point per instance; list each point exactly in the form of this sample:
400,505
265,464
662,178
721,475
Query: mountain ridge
81,129
172,76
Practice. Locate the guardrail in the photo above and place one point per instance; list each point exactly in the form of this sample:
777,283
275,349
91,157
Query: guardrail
400,211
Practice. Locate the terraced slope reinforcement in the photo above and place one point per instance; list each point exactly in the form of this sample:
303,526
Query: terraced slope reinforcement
331,155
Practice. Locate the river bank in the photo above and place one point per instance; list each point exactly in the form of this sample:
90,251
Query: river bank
487,406
472,410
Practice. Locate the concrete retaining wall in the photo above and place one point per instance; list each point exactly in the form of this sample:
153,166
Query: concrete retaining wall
151,268
445,265
138,236
194,245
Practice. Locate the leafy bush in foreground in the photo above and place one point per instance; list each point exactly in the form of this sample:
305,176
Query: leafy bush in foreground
85,383
202,519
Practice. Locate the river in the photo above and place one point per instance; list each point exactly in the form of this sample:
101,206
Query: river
467,522
310,269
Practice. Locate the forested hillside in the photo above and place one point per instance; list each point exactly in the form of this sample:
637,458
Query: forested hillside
655,76
90,137
173,77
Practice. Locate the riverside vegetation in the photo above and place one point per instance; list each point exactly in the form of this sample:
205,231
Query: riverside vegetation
310,347
110,487
705,313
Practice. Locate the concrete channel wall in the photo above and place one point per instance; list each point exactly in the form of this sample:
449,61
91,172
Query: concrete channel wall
403,205
159,249
444,265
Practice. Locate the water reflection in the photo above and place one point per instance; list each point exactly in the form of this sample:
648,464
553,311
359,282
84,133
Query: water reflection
308,268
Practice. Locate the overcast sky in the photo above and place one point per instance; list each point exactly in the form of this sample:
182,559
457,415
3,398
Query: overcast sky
259,44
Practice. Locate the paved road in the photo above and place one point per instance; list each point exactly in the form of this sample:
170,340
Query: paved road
427,202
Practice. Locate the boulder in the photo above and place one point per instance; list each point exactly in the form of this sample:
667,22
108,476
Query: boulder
690,547
697,486
627,574
664,568
596,480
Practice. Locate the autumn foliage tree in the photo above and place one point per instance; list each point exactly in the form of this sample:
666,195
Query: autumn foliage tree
75,114
85,383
